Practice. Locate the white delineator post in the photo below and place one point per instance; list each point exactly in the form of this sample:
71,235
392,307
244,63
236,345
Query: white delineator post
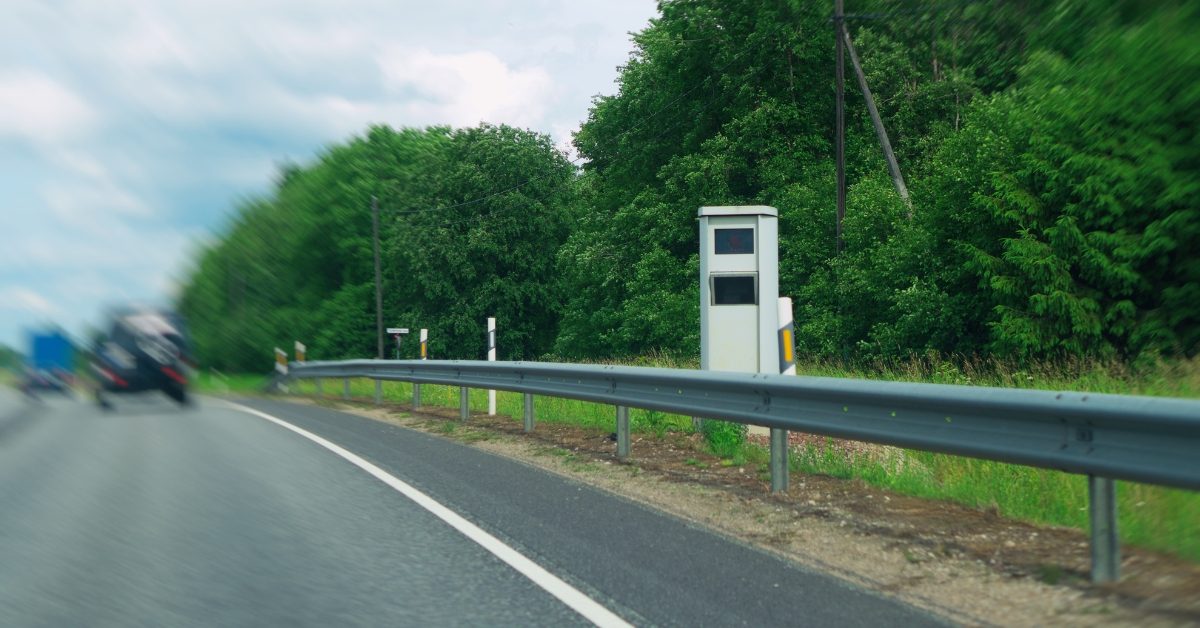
416,388
787,366
281,364
491,342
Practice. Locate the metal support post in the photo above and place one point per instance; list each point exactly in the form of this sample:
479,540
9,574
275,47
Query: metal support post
345,388
528,412
1106,549
378,392
779,460
622,432
416,396
320,392
464,410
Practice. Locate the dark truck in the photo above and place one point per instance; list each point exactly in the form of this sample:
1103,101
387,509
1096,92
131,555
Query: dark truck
143,350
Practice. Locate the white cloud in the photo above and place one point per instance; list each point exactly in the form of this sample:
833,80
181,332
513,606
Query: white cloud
466,88
34,106
24,299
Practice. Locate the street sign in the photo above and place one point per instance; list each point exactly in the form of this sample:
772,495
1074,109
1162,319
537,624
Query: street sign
397,330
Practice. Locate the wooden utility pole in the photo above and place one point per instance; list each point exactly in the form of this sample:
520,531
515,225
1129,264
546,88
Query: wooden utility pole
839,19
378,282
880,132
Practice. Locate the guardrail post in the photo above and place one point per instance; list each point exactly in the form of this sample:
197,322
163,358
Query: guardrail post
320,391
528,412
1106,548
779,460
345,388
416,395
464,409
378,392
622,432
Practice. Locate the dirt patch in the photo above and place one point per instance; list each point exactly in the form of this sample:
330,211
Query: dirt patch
969,565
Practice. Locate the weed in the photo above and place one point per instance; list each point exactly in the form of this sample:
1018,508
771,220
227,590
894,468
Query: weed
1050,574
723,437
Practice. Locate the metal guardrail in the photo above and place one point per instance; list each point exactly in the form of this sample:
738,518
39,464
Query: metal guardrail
1107,437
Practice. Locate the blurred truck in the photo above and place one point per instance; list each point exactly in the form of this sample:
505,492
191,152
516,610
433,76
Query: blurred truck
143,350
51,362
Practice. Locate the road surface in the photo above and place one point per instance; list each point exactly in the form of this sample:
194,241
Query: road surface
156,515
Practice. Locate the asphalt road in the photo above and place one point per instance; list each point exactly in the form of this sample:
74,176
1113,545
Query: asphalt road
156,515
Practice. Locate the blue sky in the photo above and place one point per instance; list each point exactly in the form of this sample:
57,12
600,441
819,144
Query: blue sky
129,130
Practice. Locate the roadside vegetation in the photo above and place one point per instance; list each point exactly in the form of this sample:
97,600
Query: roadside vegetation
1051,151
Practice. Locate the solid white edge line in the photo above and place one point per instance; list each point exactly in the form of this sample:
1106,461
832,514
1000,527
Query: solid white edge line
576,600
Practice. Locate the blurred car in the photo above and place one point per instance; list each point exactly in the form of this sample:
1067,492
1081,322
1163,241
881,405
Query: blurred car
44,380
143,350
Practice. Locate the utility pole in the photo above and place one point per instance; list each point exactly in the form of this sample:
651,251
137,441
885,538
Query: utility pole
880,132
839,19
378,282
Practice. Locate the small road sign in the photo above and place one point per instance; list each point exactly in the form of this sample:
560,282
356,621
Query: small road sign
397,330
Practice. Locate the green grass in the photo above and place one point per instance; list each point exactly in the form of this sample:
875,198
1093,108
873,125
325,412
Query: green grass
219,383
1148,516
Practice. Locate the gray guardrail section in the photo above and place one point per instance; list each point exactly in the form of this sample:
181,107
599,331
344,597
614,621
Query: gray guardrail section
1145,439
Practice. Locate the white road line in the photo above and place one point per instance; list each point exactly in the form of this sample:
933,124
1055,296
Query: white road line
590,609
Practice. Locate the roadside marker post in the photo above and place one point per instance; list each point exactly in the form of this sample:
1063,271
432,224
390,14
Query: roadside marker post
281,364
787,366
281,367
491,344
416,388
301,350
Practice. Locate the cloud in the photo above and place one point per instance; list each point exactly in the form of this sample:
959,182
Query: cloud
26,300
33,106
464,89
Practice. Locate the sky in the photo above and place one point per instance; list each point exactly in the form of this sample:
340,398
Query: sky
129,130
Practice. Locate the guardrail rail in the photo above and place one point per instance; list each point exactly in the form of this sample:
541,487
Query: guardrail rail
1106,437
